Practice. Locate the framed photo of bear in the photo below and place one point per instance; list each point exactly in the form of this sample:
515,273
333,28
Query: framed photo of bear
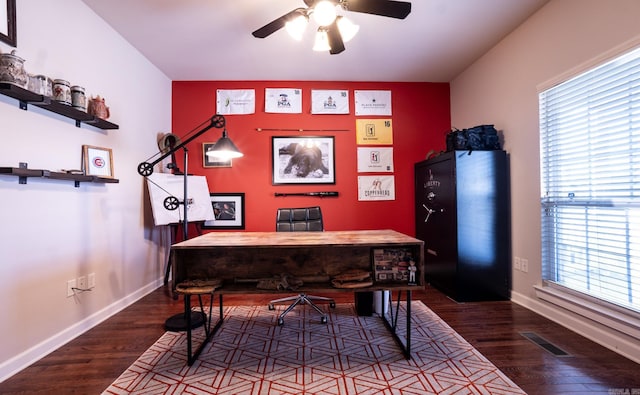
303,160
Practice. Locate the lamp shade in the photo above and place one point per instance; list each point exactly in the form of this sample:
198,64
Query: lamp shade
324,12
224,148
347,28
321,42
296,26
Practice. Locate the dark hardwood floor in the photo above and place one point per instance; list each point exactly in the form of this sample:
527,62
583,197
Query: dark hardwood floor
88,364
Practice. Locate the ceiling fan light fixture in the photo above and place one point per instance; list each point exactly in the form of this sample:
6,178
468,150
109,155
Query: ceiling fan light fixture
347,28
324,13
321,42
297,26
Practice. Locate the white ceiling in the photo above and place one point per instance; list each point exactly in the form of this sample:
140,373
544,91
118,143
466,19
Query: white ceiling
211,39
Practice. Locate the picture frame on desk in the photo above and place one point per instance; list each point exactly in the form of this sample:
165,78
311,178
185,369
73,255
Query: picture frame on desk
97,161
395,266
228,210
8,28
303,160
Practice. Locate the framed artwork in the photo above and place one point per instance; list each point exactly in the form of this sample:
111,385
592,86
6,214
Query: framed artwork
8,22
97,161
228,210
208,161
395,265
303,160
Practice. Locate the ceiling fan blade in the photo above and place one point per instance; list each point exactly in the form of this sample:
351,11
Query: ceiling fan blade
335,39
390,8
276,24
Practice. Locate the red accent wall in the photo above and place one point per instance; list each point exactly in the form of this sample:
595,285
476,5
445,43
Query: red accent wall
421,118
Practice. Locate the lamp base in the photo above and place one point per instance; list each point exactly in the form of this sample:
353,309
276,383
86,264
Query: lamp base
178,322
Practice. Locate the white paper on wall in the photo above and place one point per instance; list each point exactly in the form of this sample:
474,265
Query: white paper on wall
375,159
283,100
329,101
162,185
376,188
235,101
373,102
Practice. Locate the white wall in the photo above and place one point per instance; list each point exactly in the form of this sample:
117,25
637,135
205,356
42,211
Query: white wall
502,88
52,232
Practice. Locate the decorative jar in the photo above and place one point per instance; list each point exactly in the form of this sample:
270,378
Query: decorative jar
61,91
78,98
12,70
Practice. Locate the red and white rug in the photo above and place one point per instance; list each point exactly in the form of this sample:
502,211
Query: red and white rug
350,354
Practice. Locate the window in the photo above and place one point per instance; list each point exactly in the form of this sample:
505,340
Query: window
590,175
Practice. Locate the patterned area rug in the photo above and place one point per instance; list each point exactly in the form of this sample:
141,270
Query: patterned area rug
350,354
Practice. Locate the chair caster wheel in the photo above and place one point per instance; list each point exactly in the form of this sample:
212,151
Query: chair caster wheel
271,306
332,305
280,321
323,320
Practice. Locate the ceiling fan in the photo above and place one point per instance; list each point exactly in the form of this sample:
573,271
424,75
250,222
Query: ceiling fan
335,30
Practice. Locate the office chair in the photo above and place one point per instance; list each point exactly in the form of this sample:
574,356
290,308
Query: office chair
305,219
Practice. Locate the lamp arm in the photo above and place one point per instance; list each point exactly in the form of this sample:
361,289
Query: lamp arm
146,168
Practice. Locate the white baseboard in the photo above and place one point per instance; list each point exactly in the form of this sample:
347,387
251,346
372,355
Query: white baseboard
610,338
14,365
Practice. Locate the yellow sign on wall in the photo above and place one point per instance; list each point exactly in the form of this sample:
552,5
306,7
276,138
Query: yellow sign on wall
374,132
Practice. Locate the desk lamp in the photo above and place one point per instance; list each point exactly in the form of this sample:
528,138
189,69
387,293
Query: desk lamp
224,149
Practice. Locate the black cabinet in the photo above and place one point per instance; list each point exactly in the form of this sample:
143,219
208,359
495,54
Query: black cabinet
462,215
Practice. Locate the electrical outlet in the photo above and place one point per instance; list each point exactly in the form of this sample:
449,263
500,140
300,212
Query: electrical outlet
82,282
517,263
91,280
71,284
525,265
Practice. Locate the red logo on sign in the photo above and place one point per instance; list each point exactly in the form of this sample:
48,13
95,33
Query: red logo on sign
98,162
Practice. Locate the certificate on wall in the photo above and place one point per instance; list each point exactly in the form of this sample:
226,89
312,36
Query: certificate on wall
283,100
374,132
373,102
235,101
376,188
329,101
375,160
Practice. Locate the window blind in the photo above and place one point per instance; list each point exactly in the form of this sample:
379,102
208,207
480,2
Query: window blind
590,181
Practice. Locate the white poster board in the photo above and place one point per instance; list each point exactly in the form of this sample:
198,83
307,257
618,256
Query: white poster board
199,206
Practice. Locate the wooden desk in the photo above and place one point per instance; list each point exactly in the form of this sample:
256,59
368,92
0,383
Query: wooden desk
230,256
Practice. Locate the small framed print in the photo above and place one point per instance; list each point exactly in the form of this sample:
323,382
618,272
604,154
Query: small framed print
228,211
303,160
208,161
395,265
97,161
8,22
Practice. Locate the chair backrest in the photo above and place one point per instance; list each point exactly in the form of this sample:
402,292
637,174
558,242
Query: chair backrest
303,219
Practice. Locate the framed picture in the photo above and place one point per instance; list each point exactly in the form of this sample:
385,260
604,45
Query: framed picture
97,161
228,210
8,22
208,161
303,160
395,265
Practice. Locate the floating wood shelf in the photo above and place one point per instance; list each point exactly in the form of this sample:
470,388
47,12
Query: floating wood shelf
23,173
26,97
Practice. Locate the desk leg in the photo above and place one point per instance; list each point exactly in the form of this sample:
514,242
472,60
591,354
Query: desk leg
209,331
391,321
